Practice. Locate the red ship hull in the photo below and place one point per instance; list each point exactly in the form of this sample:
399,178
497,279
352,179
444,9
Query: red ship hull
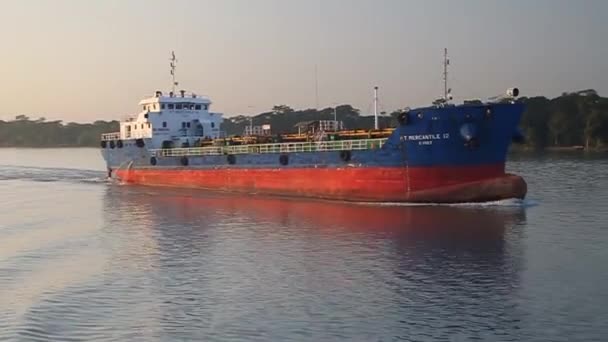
364,184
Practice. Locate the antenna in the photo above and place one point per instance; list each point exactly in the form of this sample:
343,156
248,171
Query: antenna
446,62
376,107
316,88
173,65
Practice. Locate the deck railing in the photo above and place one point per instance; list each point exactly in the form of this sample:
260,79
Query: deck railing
110,136
320,146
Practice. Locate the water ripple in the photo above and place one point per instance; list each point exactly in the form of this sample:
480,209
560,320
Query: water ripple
82,259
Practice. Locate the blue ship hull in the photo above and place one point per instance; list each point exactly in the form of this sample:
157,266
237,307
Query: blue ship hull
436,154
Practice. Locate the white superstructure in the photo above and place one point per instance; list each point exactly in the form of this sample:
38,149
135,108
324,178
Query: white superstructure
171,120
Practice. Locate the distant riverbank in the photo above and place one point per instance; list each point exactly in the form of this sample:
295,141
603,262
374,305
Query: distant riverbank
573,121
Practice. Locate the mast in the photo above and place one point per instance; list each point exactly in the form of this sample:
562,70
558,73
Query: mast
316,88
376,107
173,65
446,62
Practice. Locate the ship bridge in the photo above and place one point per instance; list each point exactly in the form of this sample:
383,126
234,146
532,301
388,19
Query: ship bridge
172,120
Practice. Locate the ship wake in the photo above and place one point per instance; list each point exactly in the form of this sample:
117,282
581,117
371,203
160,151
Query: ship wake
505,203
40,174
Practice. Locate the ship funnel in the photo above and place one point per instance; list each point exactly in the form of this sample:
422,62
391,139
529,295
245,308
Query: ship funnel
512,92
158,93
182,92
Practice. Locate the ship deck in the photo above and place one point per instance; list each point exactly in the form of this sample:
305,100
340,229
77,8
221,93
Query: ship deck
286,147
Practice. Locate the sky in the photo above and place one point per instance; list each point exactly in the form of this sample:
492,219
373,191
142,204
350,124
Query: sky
94,60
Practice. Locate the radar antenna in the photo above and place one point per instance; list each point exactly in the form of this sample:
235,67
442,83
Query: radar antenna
173,65
446,90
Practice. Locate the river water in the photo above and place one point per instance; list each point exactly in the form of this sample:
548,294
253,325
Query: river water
82,258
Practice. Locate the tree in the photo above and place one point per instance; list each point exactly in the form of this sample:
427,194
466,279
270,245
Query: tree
282,109
558,126
593,127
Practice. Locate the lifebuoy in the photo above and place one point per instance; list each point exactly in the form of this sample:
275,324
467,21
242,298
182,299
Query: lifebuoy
119,143
284,159
153,161
112,145
345,155
103,144
231,159
184,161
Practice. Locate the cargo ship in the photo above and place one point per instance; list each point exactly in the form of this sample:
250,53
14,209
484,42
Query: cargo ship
442,153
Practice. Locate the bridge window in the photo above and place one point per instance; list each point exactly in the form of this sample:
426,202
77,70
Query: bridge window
170,105
142,126
205,107
178,106
162,106
212,124
165,124
183,125
188,125
197,107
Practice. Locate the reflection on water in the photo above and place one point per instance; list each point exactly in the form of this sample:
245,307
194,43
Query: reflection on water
84,259
281,268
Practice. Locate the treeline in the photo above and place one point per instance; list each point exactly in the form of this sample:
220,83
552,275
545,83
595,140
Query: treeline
572,119
283,118
26,132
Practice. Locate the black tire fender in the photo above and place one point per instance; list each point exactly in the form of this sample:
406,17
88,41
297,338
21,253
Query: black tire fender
345,155
284,159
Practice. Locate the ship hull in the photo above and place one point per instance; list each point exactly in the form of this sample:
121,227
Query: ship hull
391,184
438,155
